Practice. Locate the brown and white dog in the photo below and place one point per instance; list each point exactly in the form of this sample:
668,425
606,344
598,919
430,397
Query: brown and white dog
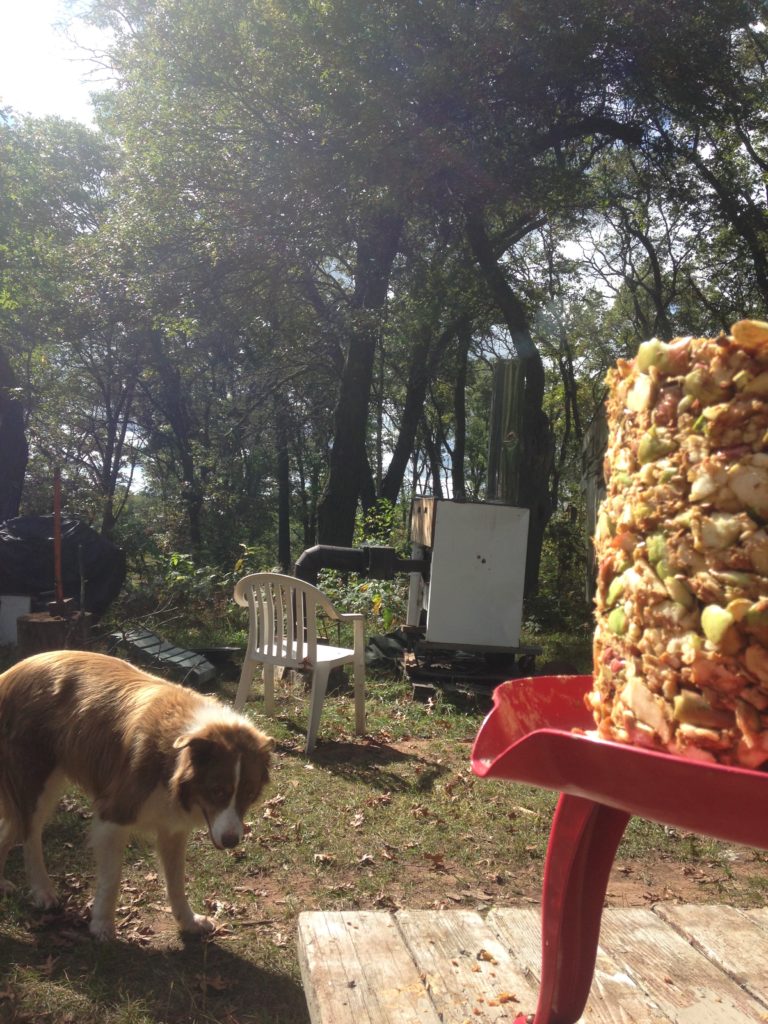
153,757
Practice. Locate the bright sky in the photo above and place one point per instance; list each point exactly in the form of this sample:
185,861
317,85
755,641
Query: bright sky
43,70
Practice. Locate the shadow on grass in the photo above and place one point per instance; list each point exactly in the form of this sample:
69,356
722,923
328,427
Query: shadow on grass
368,762
74,978
51,970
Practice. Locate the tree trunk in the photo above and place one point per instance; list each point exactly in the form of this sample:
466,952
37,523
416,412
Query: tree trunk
424,361
283,490
376,250
537,443
14,453
458,480
175,406
14,450
118,415
108,517
432,448
745,217
413,409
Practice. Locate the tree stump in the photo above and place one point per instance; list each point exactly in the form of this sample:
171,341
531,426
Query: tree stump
41,631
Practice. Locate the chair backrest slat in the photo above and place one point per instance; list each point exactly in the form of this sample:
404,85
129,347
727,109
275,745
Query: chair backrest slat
287,606
276,622
283,612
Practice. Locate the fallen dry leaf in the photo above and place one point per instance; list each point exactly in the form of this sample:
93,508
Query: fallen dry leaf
215,982
525,810
382,799
476,894
437,860
385,900
502,998
48,967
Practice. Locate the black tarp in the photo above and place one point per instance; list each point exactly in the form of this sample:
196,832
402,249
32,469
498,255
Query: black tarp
26,561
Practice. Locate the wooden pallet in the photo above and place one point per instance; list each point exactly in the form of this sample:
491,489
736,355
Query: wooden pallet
672,963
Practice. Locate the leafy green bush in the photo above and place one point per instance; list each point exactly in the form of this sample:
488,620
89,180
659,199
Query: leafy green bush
383,523
383,602
561,604
186,602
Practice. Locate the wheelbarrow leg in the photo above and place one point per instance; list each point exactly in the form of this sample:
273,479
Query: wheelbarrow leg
582,846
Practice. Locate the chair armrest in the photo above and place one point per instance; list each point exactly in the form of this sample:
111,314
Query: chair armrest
357,620
351,616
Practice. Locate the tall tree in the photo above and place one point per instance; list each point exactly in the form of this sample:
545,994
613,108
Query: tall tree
306,139
52,176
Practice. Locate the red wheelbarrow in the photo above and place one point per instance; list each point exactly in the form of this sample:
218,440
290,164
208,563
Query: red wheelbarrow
529,737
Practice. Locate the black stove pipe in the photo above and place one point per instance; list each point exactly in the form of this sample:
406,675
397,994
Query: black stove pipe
375,562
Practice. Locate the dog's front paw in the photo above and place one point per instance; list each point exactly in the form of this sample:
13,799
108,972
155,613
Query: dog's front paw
198,924
102,929
44,897
6,887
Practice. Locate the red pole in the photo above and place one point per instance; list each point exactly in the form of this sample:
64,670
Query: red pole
58,582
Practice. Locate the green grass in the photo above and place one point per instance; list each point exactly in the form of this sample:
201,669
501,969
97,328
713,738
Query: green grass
565,649
393,819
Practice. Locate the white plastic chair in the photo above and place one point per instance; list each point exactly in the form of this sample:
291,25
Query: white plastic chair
282,630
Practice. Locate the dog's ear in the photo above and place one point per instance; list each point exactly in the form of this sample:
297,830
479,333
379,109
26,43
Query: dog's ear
199,746
258,742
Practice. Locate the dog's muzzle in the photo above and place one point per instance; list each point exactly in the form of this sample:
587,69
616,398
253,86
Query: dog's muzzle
225,830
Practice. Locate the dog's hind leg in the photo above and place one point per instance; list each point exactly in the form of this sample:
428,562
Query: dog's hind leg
40,886
172,848
9,836
108,841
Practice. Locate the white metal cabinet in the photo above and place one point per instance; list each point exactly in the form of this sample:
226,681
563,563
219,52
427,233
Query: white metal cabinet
477,575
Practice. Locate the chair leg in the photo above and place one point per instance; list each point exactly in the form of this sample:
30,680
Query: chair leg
359,685
269,690
244,686
319,686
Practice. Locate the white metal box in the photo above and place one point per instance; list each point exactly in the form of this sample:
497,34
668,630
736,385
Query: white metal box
477,575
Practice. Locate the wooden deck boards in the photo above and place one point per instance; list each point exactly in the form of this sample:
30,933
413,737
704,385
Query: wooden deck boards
672,964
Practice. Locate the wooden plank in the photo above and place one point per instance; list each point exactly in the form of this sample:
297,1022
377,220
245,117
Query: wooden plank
615,997
686,986
727,937
356,969
423,521
420,967
760,916
468,971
